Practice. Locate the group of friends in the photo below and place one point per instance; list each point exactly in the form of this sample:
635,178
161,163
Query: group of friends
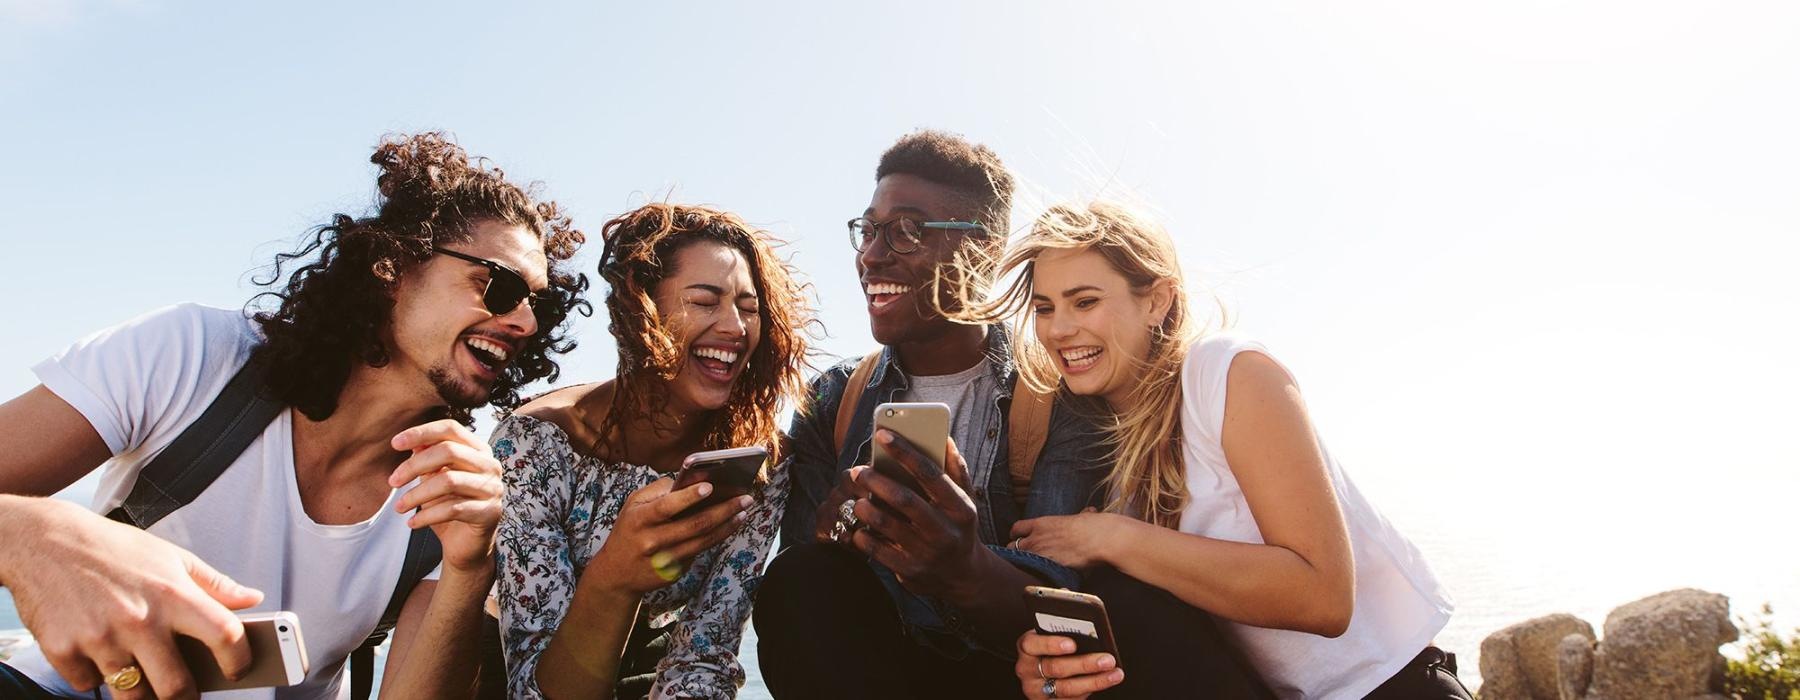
1170,471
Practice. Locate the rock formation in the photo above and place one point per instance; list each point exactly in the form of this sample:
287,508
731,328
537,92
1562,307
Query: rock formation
1664,646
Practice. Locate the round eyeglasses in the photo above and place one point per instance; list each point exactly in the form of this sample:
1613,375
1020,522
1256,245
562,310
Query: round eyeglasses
904,235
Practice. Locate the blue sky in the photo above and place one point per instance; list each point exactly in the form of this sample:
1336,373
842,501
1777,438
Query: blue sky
1524,256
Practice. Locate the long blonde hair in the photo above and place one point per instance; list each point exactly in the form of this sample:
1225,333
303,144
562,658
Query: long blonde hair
1147,480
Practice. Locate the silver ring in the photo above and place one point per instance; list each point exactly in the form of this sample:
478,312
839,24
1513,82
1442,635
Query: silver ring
1049,687
838,531
1015,543
847,514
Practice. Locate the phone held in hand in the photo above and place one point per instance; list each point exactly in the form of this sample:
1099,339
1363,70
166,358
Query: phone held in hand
925,425
277,655
1078,616
731,472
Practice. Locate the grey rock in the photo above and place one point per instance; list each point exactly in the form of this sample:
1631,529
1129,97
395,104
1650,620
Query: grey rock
1664,646
1520,662
1574,666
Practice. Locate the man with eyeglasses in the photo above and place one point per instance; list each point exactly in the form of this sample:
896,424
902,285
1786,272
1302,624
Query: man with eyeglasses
858,553
352,475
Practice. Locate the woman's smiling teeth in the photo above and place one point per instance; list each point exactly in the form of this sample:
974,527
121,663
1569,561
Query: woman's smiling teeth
487,351
1080,358
883,293
715,362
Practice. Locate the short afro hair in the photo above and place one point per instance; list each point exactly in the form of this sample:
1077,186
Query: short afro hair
971,169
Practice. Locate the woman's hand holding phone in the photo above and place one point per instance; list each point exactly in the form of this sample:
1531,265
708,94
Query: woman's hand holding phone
1051,657
651,545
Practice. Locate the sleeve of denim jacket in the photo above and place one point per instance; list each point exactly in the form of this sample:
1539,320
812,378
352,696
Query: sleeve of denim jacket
812,467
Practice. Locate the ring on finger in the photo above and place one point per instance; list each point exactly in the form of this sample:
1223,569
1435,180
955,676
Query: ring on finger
666,566
126,678
847,514
1049,687
838,532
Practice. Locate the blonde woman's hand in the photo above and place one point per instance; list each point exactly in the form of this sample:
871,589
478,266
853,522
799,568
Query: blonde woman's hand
1078,541
1049,662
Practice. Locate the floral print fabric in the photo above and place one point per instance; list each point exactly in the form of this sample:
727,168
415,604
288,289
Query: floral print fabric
560,507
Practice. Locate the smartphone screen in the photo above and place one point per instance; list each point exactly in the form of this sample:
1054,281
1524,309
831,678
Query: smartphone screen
1078,616
277,655
732,473
925,425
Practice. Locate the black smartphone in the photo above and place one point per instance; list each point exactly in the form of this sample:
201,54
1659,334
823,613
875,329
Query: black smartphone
731,472
1073,614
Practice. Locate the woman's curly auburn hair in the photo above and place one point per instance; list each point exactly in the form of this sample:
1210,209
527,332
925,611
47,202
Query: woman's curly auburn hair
332,310
641,246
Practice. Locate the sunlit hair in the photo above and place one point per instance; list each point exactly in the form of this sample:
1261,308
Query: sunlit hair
1147,480
641,248
332,310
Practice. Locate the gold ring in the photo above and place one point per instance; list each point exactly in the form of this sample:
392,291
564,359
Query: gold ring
665,566
125,678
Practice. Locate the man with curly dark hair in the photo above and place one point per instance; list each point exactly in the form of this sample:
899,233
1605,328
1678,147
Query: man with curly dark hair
350,394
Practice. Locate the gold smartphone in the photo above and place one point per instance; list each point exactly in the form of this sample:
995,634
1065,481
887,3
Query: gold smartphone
277,655
925,425
1078,616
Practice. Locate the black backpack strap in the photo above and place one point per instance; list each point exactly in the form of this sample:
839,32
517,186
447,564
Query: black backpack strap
203,450
423,553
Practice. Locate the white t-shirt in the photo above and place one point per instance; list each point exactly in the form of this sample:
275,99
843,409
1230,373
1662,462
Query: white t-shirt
1400,606
139,384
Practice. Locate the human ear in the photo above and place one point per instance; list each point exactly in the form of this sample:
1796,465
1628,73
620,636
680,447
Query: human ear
1162,298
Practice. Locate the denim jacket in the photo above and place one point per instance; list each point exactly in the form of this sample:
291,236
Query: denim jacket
1066,479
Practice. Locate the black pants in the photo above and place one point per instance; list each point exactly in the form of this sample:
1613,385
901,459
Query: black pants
1168,648
1430,676
827,629
17,686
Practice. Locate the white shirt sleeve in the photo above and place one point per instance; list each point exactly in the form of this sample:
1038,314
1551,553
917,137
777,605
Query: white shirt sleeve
1204,375
140,382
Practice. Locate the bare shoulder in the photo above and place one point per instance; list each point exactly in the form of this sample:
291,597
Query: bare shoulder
1255,373
570,409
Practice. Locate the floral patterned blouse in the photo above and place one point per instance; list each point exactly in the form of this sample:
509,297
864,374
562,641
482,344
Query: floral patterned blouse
559,508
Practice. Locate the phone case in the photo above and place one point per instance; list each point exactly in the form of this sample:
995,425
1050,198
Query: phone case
277,655
1078,616
732,473
925,425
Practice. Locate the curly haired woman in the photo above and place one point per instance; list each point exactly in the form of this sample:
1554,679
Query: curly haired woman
593,536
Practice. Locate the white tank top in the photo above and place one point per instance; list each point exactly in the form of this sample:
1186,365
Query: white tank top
1400,606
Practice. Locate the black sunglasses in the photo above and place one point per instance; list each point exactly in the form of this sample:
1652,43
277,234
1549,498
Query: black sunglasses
506,289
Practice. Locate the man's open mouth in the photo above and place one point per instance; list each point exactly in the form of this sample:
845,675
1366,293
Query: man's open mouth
881,294
489,354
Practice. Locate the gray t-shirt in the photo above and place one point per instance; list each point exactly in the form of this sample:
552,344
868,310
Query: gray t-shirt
970,396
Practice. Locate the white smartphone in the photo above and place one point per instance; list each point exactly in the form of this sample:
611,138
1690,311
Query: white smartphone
925,425
277,655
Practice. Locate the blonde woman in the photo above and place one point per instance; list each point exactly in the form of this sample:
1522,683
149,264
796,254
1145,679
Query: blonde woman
1219,493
